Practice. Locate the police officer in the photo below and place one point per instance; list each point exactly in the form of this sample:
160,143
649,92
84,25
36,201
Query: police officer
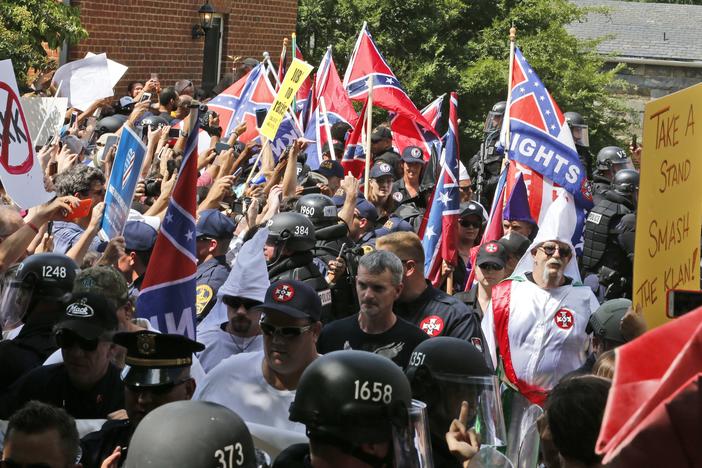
33,300
485,166
196,434
357,407
608,240
579,130
288,254
332,236
157,372
446,373
610,160
213,233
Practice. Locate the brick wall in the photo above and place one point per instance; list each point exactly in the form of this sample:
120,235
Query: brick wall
154,36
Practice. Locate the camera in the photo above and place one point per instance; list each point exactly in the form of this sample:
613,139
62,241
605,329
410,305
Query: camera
152,187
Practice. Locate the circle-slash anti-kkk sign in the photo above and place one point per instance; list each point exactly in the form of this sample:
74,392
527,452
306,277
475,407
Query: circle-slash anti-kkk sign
20,171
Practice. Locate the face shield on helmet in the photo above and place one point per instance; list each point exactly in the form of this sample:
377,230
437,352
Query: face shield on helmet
444,394
16,297
621,165
412,443
493,122
581,134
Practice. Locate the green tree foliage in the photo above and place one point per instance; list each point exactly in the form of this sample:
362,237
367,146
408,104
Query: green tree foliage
435,46
27,25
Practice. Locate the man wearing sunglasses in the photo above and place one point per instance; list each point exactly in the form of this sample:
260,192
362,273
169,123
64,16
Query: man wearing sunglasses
157,372
86,384
536,322
260,386
41,436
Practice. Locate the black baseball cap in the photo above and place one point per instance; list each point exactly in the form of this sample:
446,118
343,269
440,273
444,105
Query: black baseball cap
492,252
139,236
293,298
413,154
516,244
89,316
381,133
155,359
380,170
330,168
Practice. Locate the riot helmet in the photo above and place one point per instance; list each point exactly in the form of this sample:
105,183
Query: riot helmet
578,128
44,276
626,183
612,159
493,122
110,124
291,230
446,371
196,434
350,398
320,209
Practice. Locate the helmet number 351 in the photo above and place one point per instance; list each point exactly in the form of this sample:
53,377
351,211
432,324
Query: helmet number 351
225,456
373,391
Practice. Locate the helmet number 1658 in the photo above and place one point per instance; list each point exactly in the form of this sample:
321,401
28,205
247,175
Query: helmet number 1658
373,391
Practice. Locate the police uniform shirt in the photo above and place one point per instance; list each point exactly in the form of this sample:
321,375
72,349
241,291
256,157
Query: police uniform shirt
98,445
438,314
396,343
50,384
210,275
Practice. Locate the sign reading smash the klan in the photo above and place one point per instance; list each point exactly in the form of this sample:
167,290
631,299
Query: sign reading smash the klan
20,170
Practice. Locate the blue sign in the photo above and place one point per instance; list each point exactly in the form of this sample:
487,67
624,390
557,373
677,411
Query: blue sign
122,184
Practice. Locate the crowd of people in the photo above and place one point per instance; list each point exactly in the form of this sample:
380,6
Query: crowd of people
314,315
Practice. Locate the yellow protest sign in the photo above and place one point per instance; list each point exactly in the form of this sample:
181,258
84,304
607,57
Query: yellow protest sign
669,214
294,77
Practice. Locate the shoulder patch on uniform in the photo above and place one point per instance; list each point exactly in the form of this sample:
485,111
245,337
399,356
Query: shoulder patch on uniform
203,296
367,249
432,325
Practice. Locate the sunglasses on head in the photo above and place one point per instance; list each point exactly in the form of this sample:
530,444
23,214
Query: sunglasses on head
285,332
66,340
550,250
9,463
490,266
236,302
468,223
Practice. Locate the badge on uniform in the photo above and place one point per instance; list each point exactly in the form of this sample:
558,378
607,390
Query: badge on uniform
397,196
146,343
367,249
203,296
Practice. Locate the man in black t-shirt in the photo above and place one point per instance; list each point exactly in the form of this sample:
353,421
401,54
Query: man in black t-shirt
375,328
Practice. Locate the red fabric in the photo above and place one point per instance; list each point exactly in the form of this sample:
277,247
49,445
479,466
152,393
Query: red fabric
501,298
650,371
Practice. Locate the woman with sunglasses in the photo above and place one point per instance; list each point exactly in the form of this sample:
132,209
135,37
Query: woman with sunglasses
471,224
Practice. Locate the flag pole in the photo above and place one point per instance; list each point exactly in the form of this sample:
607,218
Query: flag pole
369,129
508,137
327,128
294,56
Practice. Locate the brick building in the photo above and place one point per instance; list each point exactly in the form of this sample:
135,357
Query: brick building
155,36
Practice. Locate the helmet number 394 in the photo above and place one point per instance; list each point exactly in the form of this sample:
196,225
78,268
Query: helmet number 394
373,391
225,456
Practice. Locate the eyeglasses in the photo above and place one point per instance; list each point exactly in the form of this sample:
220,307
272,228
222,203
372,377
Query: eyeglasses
236,302
156,389
468,223
563,250
9,463
490,267
66,340
284,332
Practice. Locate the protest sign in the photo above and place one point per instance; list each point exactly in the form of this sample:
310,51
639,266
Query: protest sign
669,211
37,110
294,78
20,171
84,81
115,70
120,189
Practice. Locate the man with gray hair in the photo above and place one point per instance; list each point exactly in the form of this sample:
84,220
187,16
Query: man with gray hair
375,327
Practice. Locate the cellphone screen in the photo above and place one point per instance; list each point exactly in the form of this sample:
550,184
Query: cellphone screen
173,133
219,147
682,301
145,97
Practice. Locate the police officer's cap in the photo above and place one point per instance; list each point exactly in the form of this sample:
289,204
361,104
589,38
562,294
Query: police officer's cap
193,434
413,154
155,359
214,224
606,320
139,236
